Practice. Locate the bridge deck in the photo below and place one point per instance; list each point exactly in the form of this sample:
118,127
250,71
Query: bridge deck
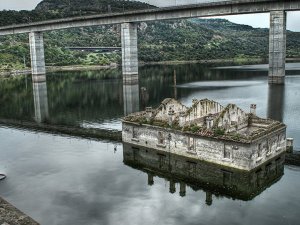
166,13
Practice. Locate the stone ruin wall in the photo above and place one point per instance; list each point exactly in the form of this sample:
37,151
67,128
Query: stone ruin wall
232,119
269,146
201,109
163,112
227,153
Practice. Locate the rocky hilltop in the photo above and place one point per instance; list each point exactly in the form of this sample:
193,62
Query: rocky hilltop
89,6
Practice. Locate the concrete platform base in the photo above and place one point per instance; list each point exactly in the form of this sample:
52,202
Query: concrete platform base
9,215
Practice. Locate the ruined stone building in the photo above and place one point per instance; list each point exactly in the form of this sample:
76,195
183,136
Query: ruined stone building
207,131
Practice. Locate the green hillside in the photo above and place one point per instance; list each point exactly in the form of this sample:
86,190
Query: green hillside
196,39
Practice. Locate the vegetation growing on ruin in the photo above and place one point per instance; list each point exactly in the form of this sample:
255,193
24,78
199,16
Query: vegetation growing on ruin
219,132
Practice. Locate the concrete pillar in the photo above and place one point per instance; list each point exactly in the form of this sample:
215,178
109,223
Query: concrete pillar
129,52
40,101
277,47
38,68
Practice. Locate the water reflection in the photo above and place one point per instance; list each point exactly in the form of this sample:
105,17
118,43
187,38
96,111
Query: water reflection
98,99
40,97
199,175
276,99
131,98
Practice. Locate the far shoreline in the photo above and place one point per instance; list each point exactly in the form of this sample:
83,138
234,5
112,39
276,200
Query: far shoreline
242,61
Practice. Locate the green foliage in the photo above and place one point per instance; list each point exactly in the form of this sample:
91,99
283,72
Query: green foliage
142,120
236,137
219,132
175,126
194,128
160,123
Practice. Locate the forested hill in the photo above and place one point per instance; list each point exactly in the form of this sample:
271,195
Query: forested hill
71,7
195,39
53,9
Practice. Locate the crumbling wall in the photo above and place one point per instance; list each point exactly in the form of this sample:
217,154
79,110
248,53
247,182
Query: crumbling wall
232,118
166,106
228,153
200,109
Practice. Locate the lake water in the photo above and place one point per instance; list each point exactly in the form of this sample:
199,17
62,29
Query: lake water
63,179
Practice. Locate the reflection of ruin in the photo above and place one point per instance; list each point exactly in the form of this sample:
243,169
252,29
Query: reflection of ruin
199,175
131,94
40,101
276,102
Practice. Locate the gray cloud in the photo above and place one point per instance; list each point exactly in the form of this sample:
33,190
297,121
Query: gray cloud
255,20
18,4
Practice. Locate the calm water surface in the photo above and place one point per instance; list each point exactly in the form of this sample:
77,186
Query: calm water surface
59,179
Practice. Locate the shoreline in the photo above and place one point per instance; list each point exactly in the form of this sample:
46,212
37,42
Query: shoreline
9,214
12,73
203,61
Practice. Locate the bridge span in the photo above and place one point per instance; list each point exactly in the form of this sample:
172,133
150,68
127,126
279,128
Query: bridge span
129,20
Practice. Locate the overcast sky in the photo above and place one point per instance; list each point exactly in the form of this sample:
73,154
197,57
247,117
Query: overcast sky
255,20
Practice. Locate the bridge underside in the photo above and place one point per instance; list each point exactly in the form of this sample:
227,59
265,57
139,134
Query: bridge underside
277,51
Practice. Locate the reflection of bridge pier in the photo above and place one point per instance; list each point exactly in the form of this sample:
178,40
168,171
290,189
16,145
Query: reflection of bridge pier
131,96
276,99
40,101
38,69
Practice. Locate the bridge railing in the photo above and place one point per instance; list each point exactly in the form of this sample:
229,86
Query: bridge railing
179,2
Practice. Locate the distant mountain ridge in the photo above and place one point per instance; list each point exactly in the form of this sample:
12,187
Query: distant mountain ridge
73,7
54,9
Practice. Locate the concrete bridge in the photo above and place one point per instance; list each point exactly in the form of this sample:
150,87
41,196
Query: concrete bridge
129,20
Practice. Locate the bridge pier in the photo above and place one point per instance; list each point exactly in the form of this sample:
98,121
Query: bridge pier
277,47
129,53
37,56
